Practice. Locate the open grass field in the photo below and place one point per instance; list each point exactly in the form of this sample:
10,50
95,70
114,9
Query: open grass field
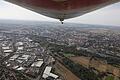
97,64
84,61
69,55
67,75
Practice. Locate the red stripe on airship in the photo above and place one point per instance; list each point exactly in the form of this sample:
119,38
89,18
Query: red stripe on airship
63,4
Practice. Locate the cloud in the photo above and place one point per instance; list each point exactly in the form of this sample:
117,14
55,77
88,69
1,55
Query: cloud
11,11
106,16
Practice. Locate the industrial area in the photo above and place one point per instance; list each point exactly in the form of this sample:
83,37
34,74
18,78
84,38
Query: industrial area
25,56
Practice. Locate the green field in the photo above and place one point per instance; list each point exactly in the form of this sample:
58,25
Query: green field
68,55
109,78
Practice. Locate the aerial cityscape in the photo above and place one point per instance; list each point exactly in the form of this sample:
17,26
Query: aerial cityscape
31,50
59,40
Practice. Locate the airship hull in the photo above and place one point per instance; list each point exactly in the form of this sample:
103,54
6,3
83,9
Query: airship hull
63,9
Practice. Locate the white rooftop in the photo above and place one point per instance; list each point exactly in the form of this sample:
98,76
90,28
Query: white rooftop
25,57
7,47
21,68
37,64
19,61
48,73
19,43
3,45
45,76
53,75
7,51
47,70
20,48
8,64
40,59
15,67
14,57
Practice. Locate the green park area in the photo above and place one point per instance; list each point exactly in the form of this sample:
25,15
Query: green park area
109,78
68,54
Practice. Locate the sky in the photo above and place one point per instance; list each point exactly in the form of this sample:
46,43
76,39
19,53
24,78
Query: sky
109,15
